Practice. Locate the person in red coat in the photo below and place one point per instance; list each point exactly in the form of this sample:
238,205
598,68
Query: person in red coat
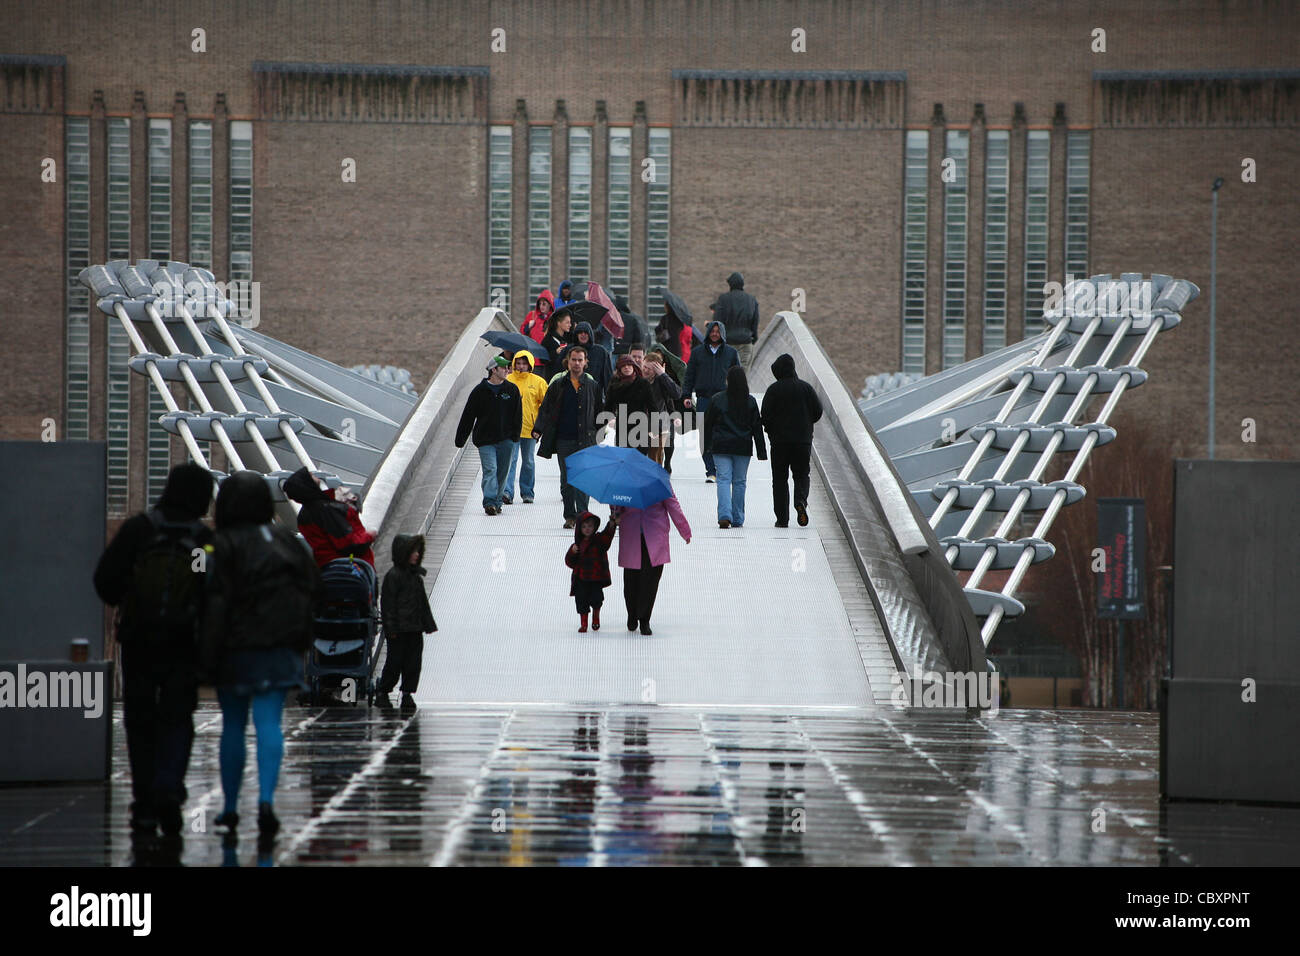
643,552
589,558
332,528
534,324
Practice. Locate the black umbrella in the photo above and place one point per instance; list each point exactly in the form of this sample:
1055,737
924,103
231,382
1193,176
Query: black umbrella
680,312
515,342
582,311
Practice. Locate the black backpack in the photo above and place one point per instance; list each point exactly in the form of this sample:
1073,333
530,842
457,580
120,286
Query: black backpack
166,591
275,589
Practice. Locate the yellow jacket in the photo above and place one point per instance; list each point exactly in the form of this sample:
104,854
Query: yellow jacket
532,389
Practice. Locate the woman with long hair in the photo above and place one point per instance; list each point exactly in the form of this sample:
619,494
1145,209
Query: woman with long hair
733,429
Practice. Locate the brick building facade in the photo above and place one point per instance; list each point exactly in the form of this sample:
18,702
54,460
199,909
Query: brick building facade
495,144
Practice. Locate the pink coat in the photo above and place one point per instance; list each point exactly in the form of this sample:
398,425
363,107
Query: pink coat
653,523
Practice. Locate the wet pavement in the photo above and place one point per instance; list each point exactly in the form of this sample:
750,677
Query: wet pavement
661,785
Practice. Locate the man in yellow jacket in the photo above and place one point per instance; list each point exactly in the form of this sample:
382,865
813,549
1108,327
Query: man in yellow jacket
532,389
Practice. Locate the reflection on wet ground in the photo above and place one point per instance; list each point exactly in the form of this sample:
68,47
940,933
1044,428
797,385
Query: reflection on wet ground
566,786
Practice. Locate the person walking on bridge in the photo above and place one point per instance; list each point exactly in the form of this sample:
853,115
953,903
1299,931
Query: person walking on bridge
737,310
493,415
566,423
733,430
706,376
790,408
642,553
532,389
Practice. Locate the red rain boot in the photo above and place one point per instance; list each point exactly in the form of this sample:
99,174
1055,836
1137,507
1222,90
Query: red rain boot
583,629
595,619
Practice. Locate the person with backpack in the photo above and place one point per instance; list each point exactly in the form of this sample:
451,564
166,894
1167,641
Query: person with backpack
733,429
152,571
260,590
407,618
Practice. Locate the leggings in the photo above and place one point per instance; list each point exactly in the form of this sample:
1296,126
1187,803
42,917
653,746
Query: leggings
267,708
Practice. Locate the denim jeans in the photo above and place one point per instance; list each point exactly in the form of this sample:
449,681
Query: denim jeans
732,471
525,448
702,406
495,460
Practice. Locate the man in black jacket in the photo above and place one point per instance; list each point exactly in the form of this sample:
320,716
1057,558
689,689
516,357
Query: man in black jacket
737,310
407,618
600,365
494,416
566,423
790,407
706,375
153,571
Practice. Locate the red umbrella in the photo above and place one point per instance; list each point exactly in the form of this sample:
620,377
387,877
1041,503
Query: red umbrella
612,319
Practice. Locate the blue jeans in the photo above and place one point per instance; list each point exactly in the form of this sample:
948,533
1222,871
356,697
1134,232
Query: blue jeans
527,449
495,460
732,471
702,406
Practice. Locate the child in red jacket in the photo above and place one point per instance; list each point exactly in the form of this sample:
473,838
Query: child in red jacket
589,558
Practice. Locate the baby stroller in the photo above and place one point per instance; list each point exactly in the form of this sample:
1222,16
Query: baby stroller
344,632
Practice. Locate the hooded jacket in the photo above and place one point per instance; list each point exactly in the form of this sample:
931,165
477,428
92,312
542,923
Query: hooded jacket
733,431
184,501
598,359
591,563
332,528
491,415
790,405
706,372
635,331
590,401
738,311
532,389
534,324
404,604
564,294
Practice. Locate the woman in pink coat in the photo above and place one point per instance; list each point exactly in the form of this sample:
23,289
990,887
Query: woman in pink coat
643,552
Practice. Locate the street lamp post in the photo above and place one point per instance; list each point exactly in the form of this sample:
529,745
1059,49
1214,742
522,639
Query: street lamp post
1214,264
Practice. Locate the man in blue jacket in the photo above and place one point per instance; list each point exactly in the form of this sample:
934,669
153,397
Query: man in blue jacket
494,416
706,375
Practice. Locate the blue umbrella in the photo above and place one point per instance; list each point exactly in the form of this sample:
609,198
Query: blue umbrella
618,476
514,342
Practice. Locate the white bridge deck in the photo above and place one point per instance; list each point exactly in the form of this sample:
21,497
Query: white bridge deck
756,616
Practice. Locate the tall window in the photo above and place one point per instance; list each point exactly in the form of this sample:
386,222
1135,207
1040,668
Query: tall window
620,210
160,188
1038,155
997,153
201,194
954,250
118,375
158,456
1078,148
916,155
499,211
241,200
77,196
657,224
579,203
539,210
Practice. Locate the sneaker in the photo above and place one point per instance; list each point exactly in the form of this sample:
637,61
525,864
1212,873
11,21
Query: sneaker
802,511
507,501
724,523
709,479
528,501
570,522
268,824
487,510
